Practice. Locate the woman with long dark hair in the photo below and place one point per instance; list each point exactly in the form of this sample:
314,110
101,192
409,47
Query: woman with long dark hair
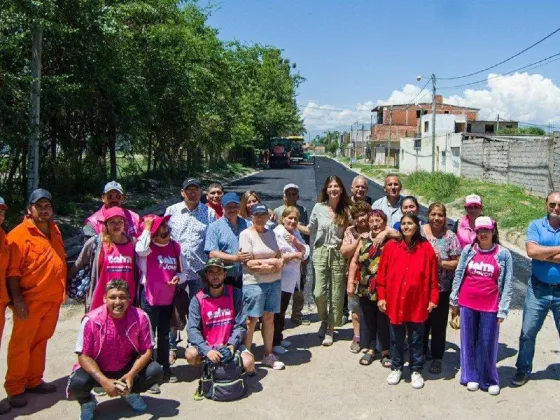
329,218
407,290
482,289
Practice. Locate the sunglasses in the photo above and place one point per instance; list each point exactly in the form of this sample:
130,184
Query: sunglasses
473,207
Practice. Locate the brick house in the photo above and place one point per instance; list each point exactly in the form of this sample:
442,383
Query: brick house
401,120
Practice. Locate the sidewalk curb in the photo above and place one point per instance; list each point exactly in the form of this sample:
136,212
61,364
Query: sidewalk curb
514,240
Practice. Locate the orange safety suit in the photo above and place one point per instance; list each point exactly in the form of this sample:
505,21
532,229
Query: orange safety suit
4,299
40,265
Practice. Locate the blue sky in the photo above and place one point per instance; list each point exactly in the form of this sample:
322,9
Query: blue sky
355,54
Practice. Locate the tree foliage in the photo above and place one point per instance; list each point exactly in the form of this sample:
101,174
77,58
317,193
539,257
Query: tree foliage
522,131
150,77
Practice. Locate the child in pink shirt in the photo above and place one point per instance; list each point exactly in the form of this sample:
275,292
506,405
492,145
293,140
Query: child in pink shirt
161,264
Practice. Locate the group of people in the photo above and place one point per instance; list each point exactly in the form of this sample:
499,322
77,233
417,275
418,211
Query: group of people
219,269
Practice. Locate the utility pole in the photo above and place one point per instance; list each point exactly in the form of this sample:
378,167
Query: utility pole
33,157
498,124
390,134
433,123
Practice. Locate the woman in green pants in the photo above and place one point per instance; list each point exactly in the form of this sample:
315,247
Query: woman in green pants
329,219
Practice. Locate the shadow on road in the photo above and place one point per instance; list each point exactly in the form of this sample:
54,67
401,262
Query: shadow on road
37,403
117,409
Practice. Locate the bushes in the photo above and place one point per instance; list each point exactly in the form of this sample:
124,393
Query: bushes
436,186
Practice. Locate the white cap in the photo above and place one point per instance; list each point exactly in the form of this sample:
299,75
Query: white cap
289,186
113,185
473,199
483,222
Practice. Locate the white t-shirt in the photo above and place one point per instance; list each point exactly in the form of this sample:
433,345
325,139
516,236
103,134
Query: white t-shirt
262,246
291,272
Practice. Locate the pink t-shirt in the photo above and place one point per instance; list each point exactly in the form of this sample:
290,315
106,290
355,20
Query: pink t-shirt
479,290
117,351
118,263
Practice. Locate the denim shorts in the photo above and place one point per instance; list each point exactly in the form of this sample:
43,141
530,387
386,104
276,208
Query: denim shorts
262,297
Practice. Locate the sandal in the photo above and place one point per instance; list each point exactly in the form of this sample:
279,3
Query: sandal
172,357
367,359
386,361
435,367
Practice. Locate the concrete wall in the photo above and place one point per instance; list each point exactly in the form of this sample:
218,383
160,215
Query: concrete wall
445,123
532,164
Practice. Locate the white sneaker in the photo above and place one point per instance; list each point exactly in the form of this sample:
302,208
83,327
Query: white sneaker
279,350
328,340
494,390
473,386
286,343
272,361
394,377
417,380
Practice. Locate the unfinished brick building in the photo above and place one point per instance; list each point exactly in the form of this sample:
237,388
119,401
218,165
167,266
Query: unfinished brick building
405,118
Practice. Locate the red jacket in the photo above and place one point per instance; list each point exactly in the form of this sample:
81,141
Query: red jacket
407,280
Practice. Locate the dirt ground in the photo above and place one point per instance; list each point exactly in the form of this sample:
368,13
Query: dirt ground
320,382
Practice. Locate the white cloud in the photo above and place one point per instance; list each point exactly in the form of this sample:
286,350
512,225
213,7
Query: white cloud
520,96
324,117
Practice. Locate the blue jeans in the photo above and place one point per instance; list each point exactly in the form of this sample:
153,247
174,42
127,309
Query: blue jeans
415,345
541,298
192,286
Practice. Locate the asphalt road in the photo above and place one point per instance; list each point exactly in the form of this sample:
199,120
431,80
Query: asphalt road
269,184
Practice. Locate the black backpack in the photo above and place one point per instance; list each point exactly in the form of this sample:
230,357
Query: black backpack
222,382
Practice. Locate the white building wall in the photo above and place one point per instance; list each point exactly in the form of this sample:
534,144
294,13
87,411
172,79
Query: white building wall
448,154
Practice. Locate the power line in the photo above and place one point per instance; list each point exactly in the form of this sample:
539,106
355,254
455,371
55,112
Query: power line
421,90
503,61
526,67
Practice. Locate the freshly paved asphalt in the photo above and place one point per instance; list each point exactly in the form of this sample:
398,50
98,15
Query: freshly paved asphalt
310,178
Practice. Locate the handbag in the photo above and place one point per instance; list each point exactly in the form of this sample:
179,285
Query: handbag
455,322
79,285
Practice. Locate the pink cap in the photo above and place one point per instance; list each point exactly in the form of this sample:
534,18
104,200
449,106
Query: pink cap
473,200
113,212
158,221
483,222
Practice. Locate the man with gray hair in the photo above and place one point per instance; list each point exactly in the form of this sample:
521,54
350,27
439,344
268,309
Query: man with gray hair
359,189
543,289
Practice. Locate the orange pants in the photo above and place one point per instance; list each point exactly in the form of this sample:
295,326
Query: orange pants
28,346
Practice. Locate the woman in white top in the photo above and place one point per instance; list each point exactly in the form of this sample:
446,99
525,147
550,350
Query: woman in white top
294,250
261,281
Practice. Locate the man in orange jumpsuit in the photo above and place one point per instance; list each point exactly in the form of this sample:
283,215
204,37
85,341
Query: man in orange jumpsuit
36,285
4,299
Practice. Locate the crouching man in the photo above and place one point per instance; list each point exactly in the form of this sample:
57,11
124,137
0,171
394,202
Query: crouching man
217,320
114,350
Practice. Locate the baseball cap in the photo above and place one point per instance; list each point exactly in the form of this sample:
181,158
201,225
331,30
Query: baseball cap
230,198
483,222
288,186
473,200
259,209
113,185
114,212
191,181
213,262
39,195
3,203
158,221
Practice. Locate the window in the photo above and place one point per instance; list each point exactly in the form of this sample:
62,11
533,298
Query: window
418,113
417,144
469,127
489,128
402,154
426,126
446,112
443,159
